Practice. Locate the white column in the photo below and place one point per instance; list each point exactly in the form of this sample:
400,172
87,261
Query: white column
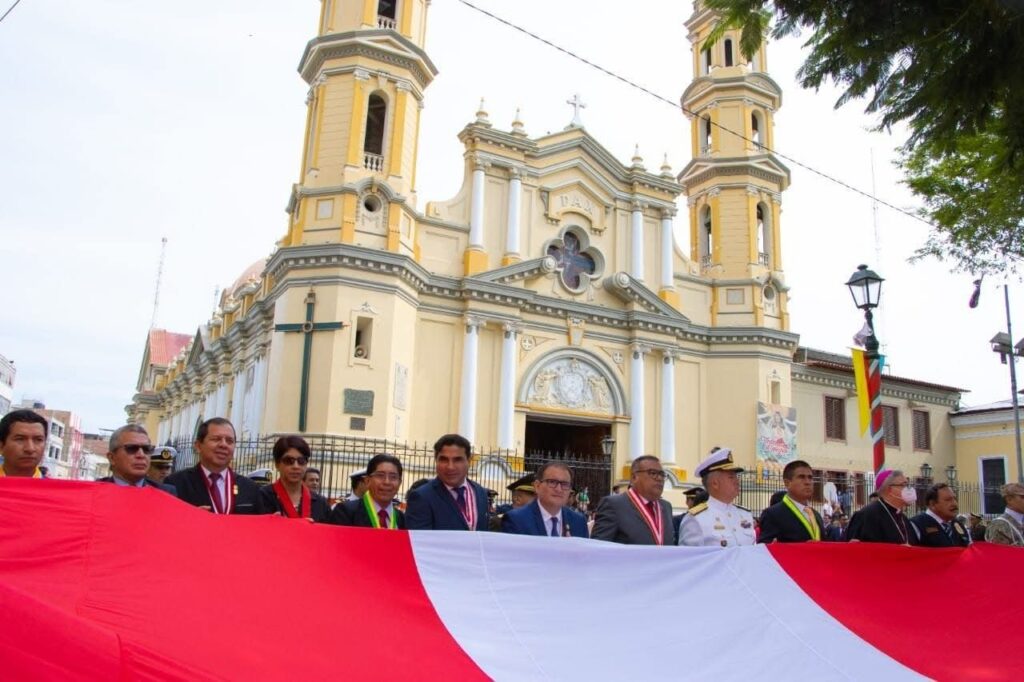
667,250
636,243
476,208
467,396
636,399
222,398
259,395
515,199
668,407
238,399
507,395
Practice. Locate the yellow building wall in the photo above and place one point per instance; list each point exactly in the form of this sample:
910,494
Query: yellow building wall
975,442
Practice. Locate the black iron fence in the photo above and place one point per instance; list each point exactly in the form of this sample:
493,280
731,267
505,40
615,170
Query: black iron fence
756,491
338,457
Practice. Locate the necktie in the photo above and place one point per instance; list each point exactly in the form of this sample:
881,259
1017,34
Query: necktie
382,514
461,492
650,509
554,526
810,518
948,530
218,502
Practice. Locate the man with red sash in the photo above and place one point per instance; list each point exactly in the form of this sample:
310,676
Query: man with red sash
638,516
212,484
793,519
376,508
451,501
23,443
718,522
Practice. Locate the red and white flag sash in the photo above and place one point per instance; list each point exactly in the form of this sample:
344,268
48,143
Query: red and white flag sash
229,491
655,524
469,516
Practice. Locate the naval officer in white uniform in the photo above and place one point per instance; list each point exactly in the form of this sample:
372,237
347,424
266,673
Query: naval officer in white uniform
718,522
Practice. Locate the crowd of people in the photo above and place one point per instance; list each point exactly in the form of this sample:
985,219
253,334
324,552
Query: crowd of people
635,514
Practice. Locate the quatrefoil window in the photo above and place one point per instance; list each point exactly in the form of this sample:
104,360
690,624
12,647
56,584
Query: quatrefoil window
575,260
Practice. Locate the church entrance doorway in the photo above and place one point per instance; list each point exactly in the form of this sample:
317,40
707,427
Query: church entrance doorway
578,444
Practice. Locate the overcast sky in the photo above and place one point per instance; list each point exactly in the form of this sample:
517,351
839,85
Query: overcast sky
126,121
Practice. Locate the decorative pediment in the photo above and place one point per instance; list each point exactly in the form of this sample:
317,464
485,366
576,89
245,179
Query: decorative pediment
632,290
579,203
572,380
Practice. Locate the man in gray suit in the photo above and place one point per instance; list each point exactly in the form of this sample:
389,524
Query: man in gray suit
1008,528
638,516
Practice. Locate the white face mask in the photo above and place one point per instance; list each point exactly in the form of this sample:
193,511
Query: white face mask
909,495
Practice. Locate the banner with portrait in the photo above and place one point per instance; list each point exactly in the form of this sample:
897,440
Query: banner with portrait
776,434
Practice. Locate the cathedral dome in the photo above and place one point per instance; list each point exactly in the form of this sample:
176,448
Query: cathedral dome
249,278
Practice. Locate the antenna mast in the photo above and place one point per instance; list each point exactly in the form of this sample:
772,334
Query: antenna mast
159,277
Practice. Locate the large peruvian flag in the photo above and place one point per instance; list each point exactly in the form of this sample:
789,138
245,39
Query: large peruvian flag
99,582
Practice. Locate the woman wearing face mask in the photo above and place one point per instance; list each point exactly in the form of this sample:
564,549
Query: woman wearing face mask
289,496
885,520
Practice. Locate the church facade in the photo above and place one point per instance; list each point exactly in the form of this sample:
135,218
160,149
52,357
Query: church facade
547,306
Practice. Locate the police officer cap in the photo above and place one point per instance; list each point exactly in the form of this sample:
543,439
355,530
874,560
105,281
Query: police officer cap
163,454
719,460
694,491
357,476
525,484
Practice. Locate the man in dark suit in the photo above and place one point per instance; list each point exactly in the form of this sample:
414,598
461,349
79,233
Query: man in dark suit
938,526
793,519
376,508
128,453
638,516
451,501
212,484
549,514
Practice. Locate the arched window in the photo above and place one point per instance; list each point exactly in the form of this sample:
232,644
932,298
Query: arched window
373,142
764,236
705,61
705,134
728,52
706,245
755,128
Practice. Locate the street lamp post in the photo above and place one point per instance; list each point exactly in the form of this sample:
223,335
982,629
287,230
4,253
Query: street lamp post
926,471
866,289
1001,343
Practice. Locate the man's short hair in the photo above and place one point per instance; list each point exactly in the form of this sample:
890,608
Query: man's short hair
553,464
312,470
419,483
790,470
21,417
204,428
383,458
874,496
932,494
453,439
639,460
286,443
1011,489
776,497
115,437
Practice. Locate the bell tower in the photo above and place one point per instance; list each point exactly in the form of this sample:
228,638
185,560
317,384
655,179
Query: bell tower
734,183
367,72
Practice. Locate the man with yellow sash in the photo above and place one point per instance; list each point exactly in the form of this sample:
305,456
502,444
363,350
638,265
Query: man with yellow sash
793,519
22,443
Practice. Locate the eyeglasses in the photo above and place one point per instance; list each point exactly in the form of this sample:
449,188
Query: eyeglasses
133,448
162,467
901,485
389,476
555,483
656,474
288,461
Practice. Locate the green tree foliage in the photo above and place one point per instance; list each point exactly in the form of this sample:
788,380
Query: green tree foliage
977,203
953,71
